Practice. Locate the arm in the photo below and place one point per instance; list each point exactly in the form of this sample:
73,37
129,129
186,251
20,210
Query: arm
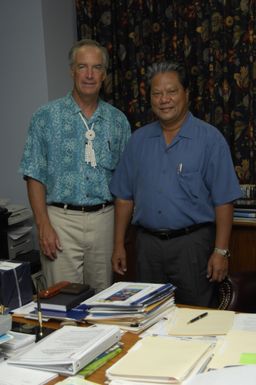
48,239
123,214
218,264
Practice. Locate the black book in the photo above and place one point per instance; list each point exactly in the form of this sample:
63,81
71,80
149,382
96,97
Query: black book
65,301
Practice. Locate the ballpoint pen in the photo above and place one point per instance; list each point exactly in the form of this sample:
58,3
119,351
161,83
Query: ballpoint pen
39,314
197,318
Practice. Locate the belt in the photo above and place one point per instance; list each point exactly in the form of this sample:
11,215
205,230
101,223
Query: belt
166,234
87,209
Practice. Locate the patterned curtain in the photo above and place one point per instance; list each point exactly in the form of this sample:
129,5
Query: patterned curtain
215,39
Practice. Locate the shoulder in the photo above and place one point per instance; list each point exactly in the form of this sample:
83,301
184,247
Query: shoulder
110,112
149,130
205,131
60,104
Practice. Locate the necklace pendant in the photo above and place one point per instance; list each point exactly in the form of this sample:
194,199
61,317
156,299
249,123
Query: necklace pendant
90,134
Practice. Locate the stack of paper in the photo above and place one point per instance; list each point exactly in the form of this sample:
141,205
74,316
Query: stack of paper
18,343
130,305
21,376
69,349
160,360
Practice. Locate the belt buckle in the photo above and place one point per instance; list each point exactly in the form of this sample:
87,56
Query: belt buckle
164,235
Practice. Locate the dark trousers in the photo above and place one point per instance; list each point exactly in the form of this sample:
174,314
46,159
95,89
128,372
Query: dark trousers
181,261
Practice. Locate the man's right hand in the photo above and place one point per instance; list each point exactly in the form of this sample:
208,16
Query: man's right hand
49,241
119,261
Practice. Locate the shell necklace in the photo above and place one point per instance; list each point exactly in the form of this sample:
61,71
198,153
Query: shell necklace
89,151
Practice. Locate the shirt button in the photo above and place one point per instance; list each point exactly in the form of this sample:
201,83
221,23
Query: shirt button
159,212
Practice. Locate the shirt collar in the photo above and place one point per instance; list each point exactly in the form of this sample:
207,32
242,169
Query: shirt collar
75,109
185,130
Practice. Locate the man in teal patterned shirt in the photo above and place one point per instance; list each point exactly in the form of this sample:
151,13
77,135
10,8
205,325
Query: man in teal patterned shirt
73,146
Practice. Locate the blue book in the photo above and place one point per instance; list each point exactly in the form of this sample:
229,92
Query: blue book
244,214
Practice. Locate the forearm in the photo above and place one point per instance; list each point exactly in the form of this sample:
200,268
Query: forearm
123,215
224,221
37,199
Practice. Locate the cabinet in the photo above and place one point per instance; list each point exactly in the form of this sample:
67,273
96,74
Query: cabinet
243,247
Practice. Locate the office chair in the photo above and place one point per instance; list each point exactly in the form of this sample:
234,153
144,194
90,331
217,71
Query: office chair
238,292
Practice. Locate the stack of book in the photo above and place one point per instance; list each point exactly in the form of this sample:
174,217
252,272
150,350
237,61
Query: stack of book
132,306
245,214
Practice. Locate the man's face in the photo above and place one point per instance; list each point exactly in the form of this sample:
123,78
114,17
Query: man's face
88,71
169,100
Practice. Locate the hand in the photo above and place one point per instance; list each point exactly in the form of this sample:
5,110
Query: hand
119,260
217,267
49,241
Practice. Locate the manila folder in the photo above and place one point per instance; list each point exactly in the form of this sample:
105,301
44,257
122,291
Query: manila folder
160,359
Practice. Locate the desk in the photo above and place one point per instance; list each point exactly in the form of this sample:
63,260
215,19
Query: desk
128,340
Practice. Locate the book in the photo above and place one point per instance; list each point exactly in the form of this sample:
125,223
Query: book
244,214
127,295
160,360
69,349
65,301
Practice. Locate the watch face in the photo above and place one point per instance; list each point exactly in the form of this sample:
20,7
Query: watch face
227,254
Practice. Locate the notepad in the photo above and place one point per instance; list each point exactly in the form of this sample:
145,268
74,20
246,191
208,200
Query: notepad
217,322
159,359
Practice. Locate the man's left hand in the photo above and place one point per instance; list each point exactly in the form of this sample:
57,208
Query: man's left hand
217,267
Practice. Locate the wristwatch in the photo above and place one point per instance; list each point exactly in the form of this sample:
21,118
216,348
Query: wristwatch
224,252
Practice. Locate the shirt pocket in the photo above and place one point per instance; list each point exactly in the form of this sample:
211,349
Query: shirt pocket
107,158
192,185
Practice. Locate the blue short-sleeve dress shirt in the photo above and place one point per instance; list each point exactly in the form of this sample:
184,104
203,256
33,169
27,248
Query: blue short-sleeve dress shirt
176,185
54,152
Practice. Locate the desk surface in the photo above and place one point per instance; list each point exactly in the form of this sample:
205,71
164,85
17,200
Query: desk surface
128,340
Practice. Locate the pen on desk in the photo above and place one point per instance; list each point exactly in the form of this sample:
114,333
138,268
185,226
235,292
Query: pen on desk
197,318
39,314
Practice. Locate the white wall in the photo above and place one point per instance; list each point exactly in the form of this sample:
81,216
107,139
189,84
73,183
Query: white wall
35,37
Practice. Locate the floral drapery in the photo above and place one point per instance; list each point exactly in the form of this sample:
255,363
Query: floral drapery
215,39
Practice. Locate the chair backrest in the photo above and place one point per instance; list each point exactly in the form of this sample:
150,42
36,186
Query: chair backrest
238,292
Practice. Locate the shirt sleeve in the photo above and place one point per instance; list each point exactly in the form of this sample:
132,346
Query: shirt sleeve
34,160
121,185
220,176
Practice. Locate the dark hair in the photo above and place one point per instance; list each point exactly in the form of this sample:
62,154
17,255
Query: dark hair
162,67
86,43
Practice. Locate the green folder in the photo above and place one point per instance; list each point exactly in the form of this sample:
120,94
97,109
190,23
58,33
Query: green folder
99,361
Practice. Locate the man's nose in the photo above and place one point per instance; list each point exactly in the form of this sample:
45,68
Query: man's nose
89,72
165,97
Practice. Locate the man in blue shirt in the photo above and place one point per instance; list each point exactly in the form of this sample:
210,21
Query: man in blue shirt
177,182
73,146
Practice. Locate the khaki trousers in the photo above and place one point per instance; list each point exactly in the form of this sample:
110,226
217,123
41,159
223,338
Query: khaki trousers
87,243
